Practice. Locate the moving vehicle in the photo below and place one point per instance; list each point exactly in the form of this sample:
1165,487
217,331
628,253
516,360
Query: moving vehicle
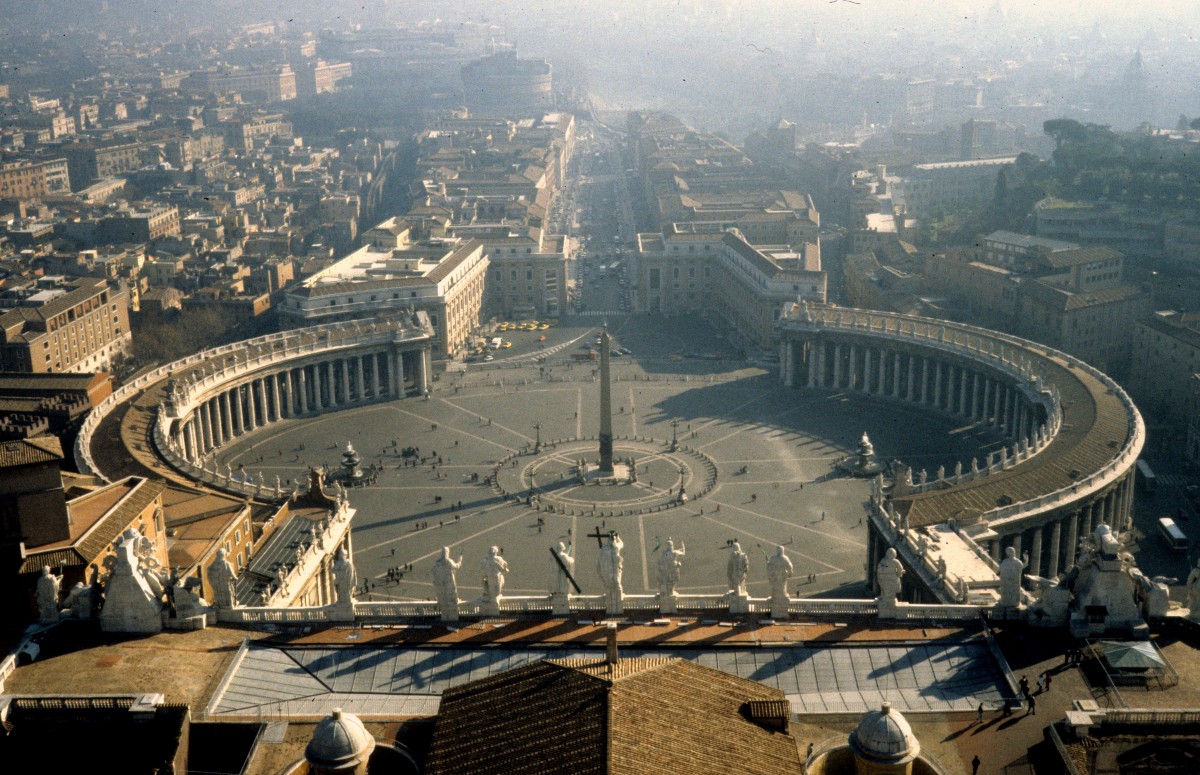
1145,476
1172,535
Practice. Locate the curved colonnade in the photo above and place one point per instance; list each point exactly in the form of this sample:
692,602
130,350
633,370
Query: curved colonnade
1072,435
193,406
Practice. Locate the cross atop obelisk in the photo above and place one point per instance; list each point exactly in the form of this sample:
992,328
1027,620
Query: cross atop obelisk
606,437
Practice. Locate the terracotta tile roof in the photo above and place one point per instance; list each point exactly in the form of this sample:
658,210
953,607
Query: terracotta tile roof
24,452
142,493
573,716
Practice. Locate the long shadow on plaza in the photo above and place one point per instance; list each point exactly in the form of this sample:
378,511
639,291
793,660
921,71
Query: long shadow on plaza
836,418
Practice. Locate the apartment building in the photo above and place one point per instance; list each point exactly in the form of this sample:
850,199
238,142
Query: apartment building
398,269
693,268
75,326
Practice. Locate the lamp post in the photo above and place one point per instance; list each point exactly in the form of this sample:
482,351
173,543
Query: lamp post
537,446
674,435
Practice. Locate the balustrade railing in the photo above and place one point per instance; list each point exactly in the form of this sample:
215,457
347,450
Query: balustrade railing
399,610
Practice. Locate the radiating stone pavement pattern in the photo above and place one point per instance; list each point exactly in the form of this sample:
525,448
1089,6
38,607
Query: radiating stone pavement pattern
279,681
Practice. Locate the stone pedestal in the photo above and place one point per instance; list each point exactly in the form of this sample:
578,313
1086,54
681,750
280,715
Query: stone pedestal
779,608
740,603
666,604
888,607
489,606
342,611
560,605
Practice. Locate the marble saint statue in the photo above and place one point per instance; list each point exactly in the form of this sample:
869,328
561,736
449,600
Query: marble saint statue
610,565
48,588
221,577
779,570
559,585
1193,593
888,573
345,578
736,569
669,564
445,586
1011,571
494,568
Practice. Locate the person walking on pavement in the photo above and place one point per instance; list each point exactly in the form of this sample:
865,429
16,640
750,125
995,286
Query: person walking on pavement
979,714
1032,711
975,765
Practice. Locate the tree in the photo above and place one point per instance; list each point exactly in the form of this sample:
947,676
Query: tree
1064,130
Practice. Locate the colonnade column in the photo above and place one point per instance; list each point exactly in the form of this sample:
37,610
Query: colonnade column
924,380
345,381
937,385
866,380
358,373
217,425
1055,547
896,375
302,389
1035,551
912,378
375,376
812,365
1072,540
226,415
202,420
317,387
276,394
189,435
238,418
963,391
837,366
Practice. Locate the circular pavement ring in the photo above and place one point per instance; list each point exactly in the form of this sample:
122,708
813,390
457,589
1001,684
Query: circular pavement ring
548,480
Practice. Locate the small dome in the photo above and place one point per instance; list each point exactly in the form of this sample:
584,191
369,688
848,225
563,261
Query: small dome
884,736
340,741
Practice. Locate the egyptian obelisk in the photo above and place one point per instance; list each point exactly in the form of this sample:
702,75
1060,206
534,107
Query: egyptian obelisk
606,448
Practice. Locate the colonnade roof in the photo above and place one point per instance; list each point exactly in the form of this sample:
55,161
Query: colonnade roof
1095,429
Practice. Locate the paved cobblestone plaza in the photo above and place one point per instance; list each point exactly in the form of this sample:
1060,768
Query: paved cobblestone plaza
757,462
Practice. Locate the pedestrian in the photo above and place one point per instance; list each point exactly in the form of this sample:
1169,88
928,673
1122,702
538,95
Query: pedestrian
1024,684
975,765
1032,711
1047,682
979,714
1041,683
393,551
